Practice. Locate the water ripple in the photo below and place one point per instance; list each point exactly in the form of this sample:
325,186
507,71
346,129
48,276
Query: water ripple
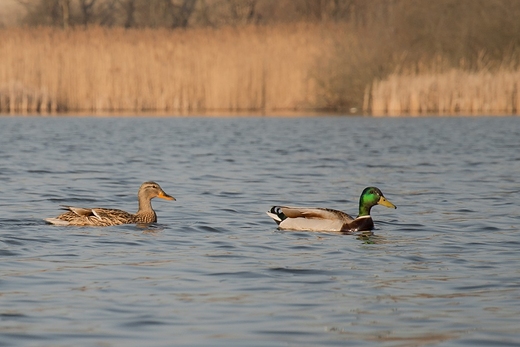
442,269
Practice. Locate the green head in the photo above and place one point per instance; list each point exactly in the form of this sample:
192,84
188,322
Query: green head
372,196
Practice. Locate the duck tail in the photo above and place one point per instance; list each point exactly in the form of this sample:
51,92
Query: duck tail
56,221
276,214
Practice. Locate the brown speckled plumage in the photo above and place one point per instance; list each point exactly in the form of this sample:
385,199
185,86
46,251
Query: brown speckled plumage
106,217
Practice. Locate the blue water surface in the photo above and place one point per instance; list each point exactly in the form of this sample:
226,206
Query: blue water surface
441,270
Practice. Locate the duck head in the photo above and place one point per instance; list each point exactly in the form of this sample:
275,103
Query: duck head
370,197
150,190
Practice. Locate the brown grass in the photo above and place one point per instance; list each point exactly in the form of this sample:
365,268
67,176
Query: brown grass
451,92
248,69
198,70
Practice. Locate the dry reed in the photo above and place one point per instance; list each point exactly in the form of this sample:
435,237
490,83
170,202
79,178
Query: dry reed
198,70
452,92
252,68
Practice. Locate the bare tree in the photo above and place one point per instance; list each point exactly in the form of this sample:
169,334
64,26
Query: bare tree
232,12
65,11
107,13
129,8
243,11
87,11
46,12
180,13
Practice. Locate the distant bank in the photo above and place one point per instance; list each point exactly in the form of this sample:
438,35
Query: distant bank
280,69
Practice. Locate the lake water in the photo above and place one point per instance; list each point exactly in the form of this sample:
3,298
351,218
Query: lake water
441,270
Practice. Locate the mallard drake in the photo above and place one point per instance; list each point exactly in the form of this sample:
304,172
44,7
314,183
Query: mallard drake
325,219
105,217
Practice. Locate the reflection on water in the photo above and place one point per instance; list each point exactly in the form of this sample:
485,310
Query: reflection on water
404,339
369,238
441,270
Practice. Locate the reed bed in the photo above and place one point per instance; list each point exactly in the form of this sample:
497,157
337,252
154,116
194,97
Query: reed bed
446,93
98,69
248,69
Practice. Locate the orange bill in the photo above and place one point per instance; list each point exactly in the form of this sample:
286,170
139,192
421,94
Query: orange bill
165,196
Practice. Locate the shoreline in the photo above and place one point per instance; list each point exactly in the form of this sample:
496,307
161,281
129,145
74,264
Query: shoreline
315,114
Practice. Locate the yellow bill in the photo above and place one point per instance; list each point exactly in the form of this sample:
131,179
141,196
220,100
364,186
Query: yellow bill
384,202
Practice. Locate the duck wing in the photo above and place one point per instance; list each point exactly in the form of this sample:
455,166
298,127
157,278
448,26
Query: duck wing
113,216
309,219
80,211
315,213
92,217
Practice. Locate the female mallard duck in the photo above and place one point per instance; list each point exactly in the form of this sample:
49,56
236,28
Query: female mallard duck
324,219
105,217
